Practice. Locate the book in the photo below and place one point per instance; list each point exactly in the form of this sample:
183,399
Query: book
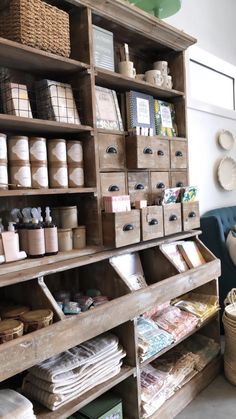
140,111
107,109
165,121
173,254
191,254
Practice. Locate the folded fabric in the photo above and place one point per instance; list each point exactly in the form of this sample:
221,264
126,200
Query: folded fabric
201,305
15,406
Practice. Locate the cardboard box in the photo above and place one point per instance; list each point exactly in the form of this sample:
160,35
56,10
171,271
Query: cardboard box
108,406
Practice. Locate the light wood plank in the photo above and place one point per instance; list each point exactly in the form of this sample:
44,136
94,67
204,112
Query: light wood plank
30,192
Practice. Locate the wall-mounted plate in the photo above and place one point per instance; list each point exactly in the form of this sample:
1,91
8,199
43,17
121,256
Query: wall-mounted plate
227,173
226,139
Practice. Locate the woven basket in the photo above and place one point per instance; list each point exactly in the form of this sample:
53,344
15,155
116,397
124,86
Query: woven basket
37,24
229,321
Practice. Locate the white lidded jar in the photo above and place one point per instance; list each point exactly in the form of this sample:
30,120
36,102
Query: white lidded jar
18,149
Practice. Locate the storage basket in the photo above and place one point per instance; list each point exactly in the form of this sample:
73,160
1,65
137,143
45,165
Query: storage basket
229,321
37,24
36,319
10,329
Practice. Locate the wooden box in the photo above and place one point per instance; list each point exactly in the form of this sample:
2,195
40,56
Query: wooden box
113,184
144,152
152,222
178,179
159,181
190,215
138,186
111,148
178,154
172,219
121,228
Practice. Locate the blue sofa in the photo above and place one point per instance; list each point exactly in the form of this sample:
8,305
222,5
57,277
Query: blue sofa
215,225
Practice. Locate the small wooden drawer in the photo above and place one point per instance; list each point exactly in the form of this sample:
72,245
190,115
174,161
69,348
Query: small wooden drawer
190,215
121,228
178,179
111,149
159,181
178,154
147,153
172,219
138,186
152,222
113,183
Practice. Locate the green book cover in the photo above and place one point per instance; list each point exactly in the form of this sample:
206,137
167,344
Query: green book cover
165,119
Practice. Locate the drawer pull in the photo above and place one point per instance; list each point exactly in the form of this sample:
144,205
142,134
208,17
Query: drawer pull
113,188
179,184
161,185
111,150
139,186
192,214
128,227
179,154
173,218
153,222
160,153
147,150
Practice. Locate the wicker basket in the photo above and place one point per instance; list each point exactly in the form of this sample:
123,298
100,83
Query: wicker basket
37,24
36,319
229,321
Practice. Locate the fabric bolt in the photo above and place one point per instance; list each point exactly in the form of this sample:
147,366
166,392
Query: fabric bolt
15,406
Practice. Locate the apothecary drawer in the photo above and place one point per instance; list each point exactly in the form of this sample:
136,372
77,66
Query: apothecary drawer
190,215
178,179
152,222
121,228
113,183
172,219
159,181
138,186
147,153
178,154
111,149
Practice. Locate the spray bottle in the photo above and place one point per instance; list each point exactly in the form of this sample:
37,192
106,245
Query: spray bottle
50,234
36,241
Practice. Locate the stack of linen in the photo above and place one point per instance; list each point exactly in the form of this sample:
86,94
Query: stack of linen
151,339
15,406
68,375
177,322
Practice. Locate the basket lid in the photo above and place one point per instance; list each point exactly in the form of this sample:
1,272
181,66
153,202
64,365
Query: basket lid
37,315
10,326
14,311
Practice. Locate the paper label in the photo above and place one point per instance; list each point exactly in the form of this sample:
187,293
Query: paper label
21,149
166,117
36,242
143,111
3,148
59,150
61,176
51,240
39,150
3,176
41,176
77,176
23,176
75,152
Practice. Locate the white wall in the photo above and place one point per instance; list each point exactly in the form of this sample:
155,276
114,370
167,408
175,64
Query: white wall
213,23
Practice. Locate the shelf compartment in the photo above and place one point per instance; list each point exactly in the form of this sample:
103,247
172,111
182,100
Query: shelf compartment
110,79
28,269
12,123
163,351
26,351
76,404
189,391
23,57
30,192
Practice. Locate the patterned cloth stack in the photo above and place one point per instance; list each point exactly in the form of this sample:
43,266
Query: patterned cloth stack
66,376
14,405
201,305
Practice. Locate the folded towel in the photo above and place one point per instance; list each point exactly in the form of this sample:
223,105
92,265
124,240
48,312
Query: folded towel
15,406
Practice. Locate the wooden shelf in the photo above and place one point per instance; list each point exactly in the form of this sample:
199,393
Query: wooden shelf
59,191
111,79
27,269
37,346
157,355
22,57
19,125
189,391
76,404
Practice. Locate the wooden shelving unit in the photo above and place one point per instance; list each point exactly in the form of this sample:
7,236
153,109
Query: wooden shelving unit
35,281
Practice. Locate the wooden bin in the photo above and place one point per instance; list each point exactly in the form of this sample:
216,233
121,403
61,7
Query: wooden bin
152,222
121,228
172,219
190,215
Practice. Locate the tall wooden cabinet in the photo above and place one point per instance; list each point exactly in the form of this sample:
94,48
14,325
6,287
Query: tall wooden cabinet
34,281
